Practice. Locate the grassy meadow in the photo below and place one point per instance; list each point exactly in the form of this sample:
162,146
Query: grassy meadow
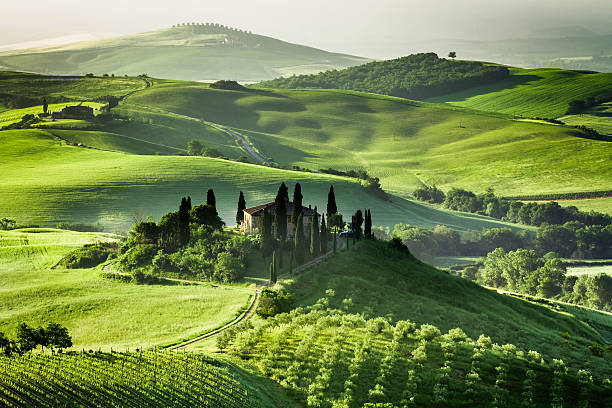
404,143
101,314
598,117
48,182
541,92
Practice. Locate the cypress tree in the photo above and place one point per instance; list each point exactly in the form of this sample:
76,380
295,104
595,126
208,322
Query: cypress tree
314,234
241,208
296,210
335,242
280,213
183,221
299,240
368,225
211,200
273,268
266,233
331,203
323,236
357,223
45,105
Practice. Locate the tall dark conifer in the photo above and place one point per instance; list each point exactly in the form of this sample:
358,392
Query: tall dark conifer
296,210
183,221
357,222
241,208
299,244
266,233
331,202
210,199
280,213
314,234
323,236
45,105
367,229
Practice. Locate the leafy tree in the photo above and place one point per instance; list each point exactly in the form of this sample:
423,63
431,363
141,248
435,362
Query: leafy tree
452,55
314,234
6,345
206,215
332,208
241,208
194,148
297,203
210,199
280,212
299,244
556,238
7,224
26,338
183,218
323,236
57,336
357,222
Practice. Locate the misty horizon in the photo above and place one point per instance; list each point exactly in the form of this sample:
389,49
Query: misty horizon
399,28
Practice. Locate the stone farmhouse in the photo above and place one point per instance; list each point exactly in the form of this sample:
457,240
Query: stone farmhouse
253,217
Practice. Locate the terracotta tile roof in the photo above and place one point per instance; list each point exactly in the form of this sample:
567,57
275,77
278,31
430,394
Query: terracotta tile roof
259,209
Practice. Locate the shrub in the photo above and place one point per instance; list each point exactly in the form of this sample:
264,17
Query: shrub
139,255
88,256
273,302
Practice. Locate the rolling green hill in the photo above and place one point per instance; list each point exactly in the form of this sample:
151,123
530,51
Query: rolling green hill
404,143
375,325
533,92
415,76
190,52
46,181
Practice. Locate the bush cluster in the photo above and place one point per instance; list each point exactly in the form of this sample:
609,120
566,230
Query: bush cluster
89,255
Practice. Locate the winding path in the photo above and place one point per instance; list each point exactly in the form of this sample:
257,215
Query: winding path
242,142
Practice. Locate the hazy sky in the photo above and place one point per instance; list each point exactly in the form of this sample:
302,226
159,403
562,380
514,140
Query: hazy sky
354,26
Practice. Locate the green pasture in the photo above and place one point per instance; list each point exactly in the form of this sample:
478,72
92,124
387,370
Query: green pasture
47,181
404,143
540,92
598,117
589,270
101,313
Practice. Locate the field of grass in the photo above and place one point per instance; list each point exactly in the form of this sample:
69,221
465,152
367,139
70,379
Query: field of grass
101,314
598,117
589,270
402,142
46,181
190,53
532,92
603,205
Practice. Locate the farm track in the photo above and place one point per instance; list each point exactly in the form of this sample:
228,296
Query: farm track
240,139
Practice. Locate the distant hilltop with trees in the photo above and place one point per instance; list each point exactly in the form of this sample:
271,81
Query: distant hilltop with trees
211,28
417,76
